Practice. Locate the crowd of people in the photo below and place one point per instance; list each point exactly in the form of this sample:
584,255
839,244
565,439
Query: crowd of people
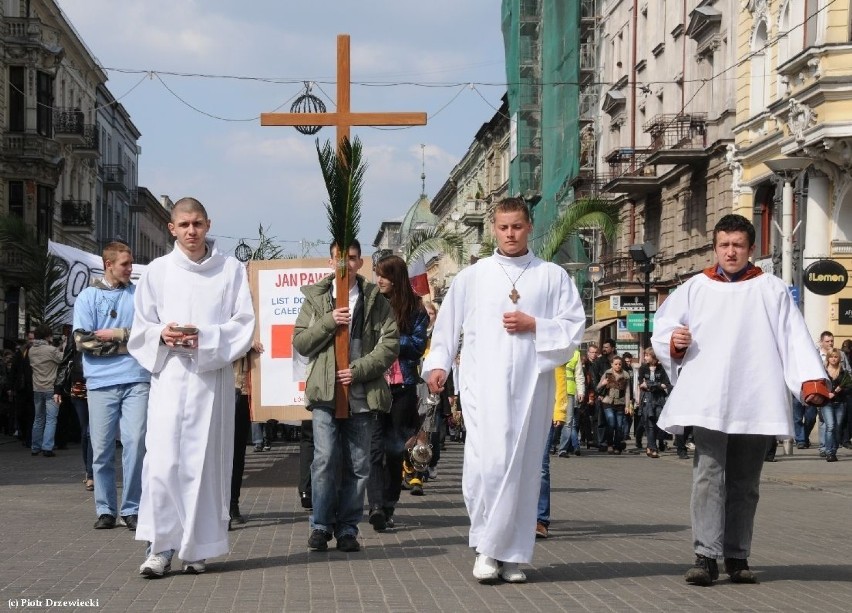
164,370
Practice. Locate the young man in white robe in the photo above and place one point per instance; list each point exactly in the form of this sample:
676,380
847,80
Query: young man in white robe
521,318
194,317
735,401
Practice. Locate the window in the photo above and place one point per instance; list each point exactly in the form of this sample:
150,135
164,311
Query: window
17,99
764,213
16,198
44,104
653,214
759,69
811,19
44,214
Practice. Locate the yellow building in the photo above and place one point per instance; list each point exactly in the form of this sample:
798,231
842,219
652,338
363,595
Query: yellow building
794,97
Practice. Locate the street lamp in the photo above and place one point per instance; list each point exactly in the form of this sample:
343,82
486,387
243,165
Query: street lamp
787,169
644,256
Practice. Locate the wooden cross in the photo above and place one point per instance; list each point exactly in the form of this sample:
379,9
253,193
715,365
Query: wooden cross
343,119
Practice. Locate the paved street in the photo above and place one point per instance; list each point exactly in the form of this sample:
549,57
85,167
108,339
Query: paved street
620,542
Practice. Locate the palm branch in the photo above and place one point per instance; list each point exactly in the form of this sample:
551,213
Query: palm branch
343,173
584,214
426,241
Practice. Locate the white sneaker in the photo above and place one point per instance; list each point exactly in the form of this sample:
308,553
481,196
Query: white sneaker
510,573
194,568
157,564
432,471
691,446
485,569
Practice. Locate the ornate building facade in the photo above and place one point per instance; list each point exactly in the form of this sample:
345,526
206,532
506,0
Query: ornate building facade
793,104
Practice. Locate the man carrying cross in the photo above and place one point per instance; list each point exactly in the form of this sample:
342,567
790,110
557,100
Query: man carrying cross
521,317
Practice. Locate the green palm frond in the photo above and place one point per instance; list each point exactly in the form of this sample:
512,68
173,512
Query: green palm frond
429,240
343,172
487,246
584,214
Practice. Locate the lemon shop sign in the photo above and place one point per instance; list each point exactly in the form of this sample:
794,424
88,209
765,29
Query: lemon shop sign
826,277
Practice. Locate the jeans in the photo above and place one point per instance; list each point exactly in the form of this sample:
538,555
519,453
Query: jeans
654,434
804,418
389,433
44,424
544,493
570,438
725,490
340,470
113,410
614,416
81,405
833,414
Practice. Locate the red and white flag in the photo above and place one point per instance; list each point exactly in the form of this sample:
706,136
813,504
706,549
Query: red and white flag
417,275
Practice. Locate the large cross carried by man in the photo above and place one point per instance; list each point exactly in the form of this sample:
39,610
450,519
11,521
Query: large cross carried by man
343,119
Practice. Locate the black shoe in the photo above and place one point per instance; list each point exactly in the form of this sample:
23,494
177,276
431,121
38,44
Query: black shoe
258,448
847,445
267,446
35,452
130,521
47,453
307,503
378,520
704,572
738,571
237,517
105,522
576,451
388,516
348,543
318,541
830,457
801,446
682,454
822,454
564,454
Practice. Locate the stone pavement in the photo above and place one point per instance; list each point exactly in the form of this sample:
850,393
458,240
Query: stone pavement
620,542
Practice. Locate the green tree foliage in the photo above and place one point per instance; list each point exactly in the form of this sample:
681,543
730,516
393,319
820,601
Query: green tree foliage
425,241
584,214
41,275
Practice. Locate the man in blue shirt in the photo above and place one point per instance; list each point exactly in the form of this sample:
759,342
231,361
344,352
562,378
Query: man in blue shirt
117,386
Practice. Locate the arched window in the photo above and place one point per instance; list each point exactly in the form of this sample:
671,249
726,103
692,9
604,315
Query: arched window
759,70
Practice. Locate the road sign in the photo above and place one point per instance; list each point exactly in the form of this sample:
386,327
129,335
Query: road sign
634,303
636,322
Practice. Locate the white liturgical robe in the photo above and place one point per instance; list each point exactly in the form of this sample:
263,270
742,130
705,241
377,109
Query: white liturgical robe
507,389
186,475
750,350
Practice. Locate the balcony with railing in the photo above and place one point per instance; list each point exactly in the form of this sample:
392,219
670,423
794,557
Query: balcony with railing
68,126
13,262
617,269
114,178
29,146
630,172
90,146
474,212
589,184
76,214
677,138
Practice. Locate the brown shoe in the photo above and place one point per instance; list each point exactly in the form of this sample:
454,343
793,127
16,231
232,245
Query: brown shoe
541,531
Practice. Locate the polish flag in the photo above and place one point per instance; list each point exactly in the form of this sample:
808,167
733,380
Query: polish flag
417,275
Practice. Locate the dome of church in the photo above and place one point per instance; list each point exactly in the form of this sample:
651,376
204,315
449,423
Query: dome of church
418,217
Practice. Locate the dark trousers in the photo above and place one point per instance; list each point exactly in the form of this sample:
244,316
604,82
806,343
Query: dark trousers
306,456
387,448
242,426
